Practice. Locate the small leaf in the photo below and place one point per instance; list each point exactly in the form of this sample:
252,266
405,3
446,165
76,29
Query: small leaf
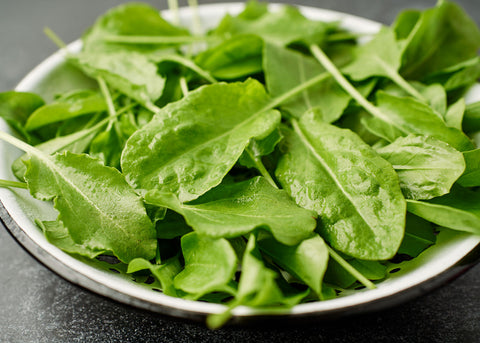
426,167
210,265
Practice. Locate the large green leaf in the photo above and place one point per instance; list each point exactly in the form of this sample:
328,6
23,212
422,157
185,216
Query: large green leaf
232,210
426,166
210,265
355,192
99,209
458,210
191,144
442,37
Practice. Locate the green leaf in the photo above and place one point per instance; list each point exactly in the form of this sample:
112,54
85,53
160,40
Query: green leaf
411,116
171,226
57,234
426,167
443,36
286,69
219,121
165,273
461,75
419,235
258,148
307,261
16,108
76,142
471,119
131,73
354,191
471,175
458,210
131,19
234,58
271,27
233,210
96,205
454,115
210,265
70,106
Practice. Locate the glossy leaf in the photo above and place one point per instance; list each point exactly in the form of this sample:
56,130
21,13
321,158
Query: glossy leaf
233,210
219,121
354,191
96,205
426,166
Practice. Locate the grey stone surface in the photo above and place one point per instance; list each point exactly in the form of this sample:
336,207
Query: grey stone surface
38,306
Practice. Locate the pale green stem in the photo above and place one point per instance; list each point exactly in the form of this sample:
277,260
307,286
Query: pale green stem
261,168
15,184
197,25
348,267
108,97
173,7
402,83
184,86
347,86
54,38
294,91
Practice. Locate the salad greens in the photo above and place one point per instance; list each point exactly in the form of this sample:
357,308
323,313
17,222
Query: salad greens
258,164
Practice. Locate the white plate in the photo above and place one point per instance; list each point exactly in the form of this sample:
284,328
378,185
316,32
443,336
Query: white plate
430,269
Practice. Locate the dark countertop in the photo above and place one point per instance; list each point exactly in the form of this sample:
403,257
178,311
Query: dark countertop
36,305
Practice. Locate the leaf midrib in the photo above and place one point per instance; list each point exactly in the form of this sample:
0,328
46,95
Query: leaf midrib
310,147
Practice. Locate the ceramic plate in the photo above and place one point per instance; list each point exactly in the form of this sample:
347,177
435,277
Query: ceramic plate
451,255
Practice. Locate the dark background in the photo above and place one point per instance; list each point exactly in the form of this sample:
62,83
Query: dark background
38,306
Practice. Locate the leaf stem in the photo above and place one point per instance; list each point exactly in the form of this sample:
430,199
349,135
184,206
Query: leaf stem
261,168
184,86
347,86
108,97
348,267
16,184
402,83
173,7
54,38
294,91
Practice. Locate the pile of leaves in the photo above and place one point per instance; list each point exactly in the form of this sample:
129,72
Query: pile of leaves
259,164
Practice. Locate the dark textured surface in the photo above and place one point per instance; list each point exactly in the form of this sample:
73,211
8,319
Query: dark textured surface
38,306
